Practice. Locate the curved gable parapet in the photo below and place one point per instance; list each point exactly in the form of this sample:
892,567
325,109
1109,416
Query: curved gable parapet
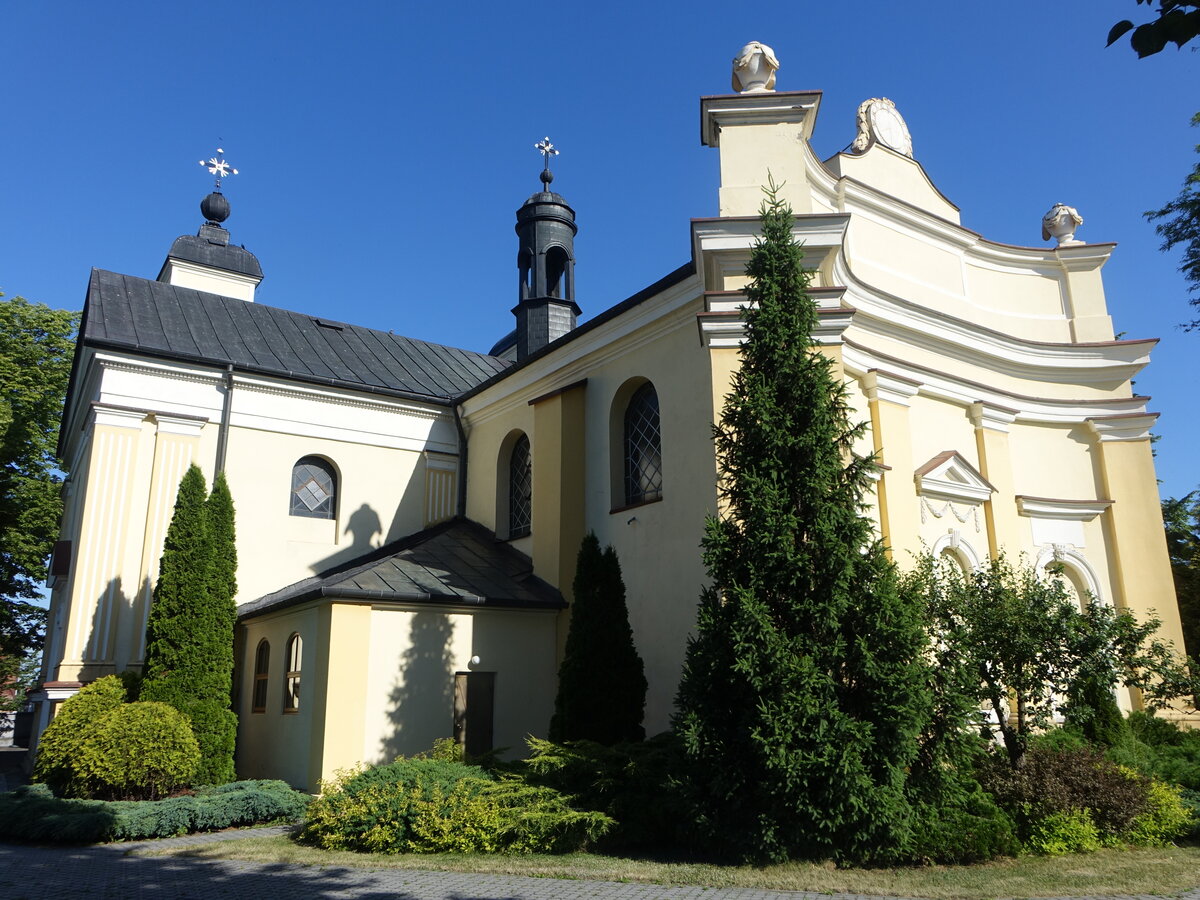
897,175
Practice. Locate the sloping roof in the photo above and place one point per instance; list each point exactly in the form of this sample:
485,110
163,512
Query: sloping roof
457,563
160,319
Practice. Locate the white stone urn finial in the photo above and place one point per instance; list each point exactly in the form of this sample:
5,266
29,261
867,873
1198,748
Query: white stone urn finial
754,69
1060,223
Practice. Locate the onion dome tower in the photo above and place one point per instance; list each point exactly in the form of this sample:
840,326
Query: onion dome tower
546,308
206,261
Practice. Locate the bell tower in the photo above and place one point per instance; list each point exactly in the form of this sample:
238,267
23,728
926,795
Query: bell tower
546,308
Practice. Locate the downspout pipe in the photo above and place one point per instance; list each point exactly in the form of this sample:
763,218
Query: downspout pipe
461,507
223,431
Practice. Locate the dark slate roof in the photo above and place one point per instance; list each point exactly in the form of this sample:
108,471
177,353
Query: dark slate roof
457,563
159,319
216,254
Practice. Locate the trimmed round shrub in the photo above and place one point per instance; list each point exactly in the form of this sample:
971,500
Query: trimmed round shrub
62,743
139,751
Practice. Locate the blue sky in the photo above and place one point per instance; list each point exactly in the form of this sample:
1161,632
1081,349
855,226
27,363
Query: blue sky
384,147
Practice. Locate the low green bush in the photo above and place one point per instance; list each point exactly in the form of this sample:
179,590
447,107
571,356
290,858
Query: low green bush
138,751
438,805
1065,831
1166,818
35,815
541,820
62,742
1052,781
970,829
616,781
1162,749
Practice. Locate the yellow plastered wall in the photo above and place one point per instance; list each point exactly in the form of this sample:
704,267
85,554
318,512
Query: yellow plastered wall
1050,460
272,743
1141,571
104,605
414,654
382,496
572,442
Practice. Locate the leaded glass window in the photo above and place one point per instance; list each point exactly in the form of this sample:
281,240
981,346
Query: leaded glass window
314,489
520,489
291,680
643,447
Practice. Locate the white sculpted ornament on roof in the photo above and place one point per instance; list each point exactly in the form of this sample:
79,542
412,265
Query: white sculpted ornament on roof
754,69
1060,223
880,122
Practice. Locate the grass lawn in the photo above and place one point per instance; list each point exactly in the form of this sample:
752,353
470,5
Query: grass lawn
1170,870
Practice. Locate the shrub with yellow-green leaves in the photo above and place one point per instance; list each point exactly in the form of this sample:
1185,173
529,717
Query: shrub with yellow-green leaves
62,743
139,751
438,805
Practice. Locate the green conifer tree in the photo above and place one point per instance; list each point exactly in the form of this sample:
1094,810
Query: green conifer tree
601,682
189,632
803,692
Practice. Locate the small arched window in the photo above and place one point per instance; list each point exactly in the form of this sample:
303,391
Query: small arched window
291,678
314,488
643,447
520,489
262,668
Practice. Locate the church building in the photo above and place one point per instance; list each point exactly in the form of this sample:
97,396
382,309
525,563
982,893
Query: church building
408,513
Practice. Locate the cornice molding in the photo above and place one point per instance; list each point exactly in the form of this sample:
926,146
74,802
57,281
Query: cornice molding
1067,510
1127,427
879,384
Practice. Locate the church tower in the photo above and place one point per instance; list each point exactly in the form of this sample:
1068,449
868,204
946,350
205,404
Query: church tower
546,308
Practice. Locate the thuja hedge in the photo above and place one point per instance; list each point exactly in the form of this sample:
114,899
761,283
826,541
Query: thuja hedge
35,815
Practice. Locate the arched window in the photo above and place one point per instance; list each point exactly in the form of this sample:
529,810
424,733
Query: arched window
520,489
314,488
643,447
262,668
291,678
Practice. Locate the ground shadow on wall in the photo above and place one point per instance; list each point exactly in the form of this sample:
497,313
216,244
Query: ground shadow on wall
421,704
362,526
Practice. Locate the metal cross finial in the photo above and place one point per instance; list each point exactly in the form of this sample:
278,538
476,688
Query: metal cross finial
547,150
218,167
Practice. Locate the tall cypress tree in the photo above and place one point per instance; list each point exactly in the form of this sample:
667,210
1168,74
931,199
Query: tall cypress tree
189,632
803,693
601,682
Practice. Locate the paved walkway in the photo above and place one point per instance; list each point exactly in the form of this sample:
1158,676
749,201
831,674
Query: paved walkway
110,872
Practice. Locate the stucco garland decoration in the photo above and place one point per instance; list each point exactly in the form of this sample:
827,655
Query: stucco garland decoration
971,511
754,69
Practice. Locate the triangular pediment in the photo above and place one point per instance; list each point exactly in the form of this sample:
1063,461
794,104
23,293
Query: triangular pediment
950,476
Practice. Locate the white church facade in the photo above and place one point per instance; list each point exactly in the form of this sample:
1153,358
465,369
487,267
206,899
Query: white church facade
408,514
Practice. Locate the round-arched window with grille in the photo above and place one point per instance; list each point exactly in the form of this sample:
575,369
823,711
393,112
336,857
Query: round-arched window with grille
314,489
643,447
520,489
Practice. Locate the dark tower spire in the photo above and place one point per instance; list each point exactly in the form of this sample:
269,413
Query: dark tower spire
546,308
